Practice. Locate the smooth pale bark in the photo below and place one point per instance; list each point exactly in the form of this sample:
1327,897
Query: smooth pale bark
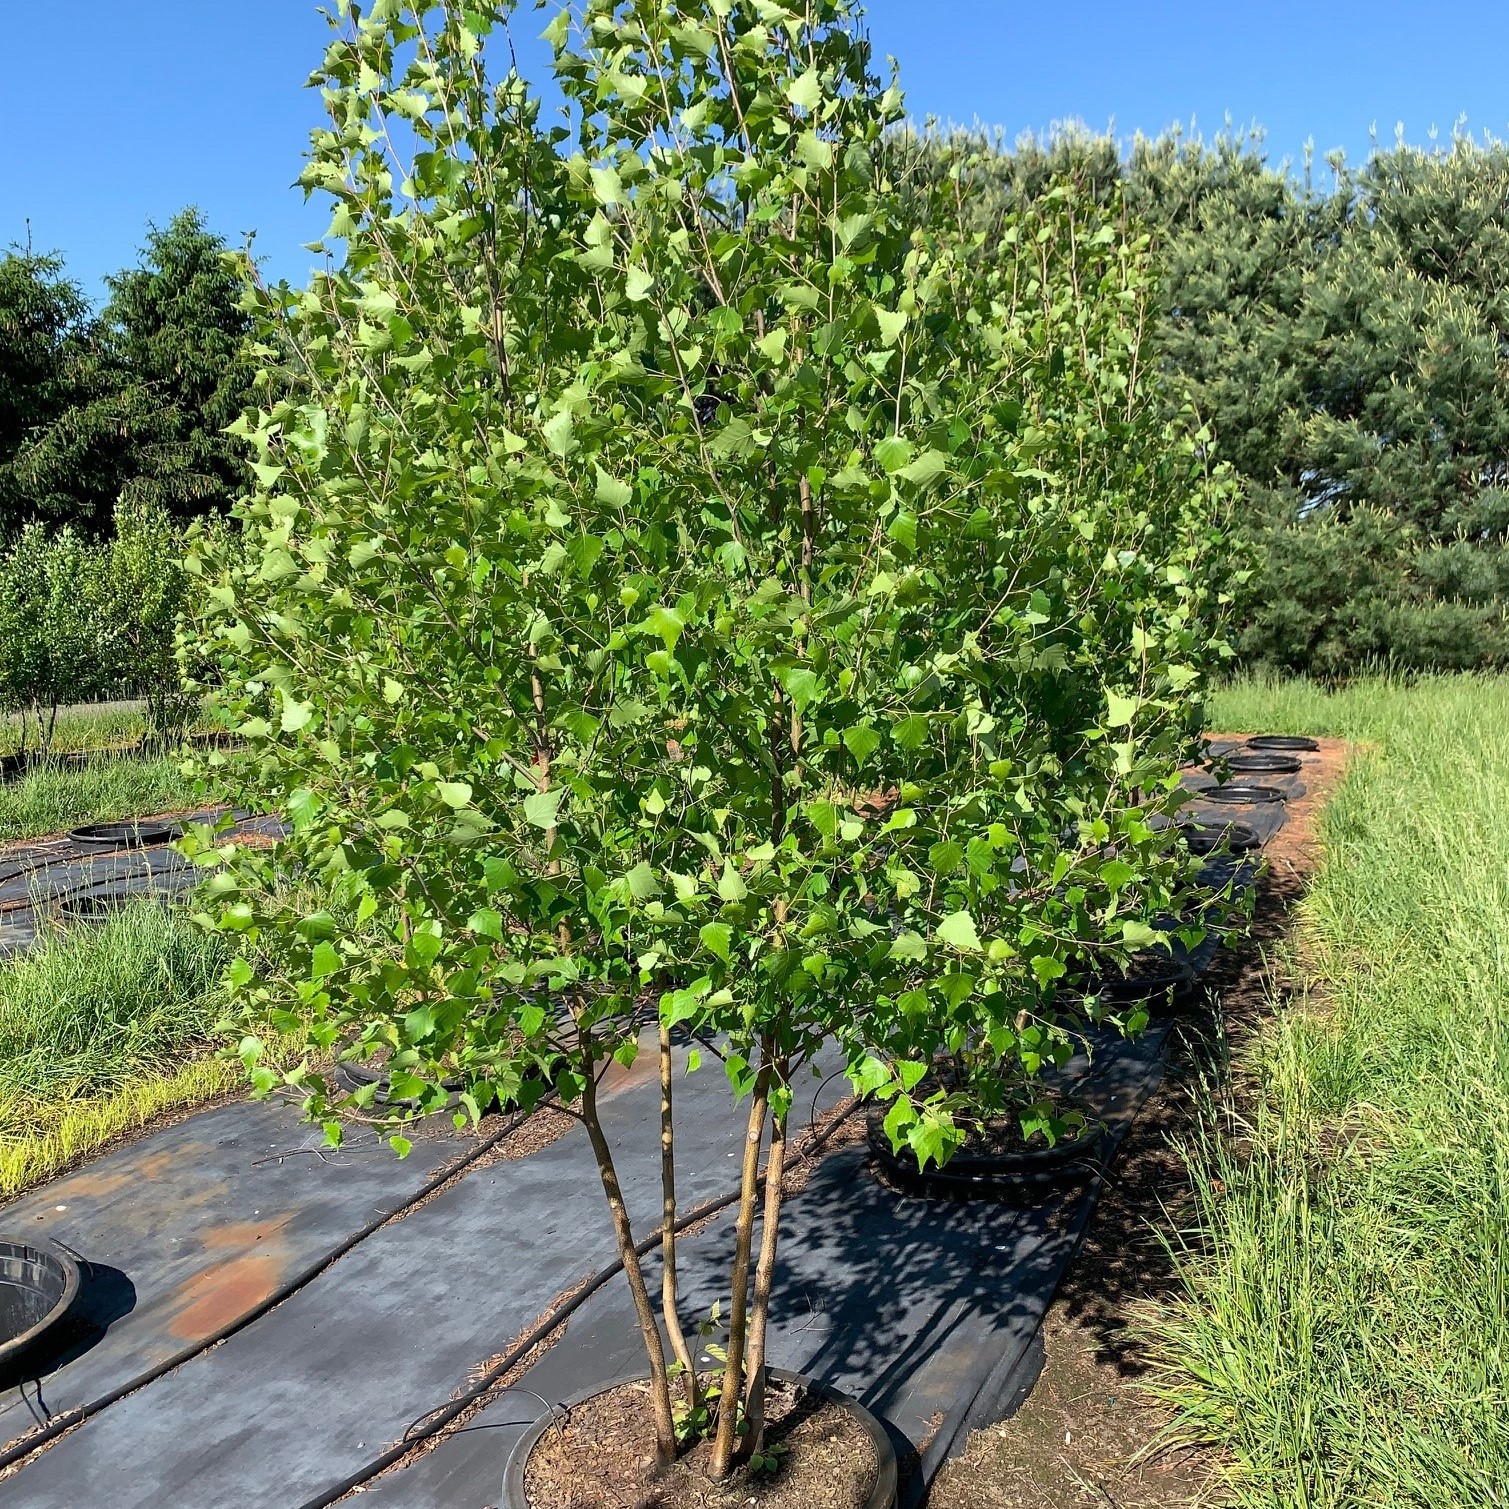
759,1314
669,1310
725,1439
623,1231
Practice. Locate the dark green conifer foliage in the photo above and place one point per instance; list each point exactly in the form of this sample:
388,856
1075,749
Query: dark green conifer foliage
1348,344
132,407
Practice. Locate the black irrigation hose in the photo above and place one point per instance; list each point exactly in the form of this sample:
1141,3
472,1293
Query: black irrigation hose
436,1420
55,1427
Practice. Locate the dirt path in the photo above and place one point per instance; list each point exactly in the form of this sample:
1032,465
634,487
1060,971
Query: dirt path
1087,1438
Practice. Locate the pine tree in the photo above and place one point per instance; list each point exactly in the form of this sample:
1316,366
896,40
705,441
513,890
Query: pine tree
157,379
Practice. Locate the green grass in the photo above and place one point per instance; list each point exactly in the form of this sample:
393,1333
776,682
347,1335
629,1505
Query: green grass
89,726
52,798
102,1025
1345,1332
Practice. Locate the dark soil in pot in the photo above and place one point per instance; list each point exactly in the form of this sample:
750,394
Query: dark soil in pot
994,1162
1288,743
599,1453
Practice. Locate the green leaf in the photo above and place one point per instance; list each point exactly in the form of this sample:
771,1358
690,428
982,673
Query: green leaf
323,961
958,931
296,715
861,741
909,946
611,491
560,433
929,466
805,91
716,938
730,885
1120,710
891,323
486,923
455,794
541,808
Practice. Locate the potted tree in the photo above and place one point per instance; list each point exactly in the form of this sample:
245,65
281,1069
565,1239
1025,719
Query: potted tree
610,624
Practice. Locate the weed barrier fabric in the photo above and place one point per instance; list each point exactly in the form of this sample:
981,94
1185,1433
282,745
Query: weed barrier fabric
926,1311
304,1396
185,1232
35,877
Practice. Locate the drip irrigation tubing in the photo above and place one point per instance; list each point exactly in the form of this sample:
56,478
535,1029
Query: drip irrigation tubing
27,1445
436,1420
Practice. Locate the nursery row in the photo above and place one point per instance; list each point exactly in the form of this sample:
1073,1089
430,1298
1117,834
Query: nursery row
80,622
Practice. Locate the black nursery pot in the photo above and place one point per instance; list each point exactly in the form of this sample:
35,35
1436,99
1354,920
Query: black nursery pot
1286,743
39,1282
1206,838
1017,1177
1239,794
354,1073
882,1496
1263,762
95,906
123,835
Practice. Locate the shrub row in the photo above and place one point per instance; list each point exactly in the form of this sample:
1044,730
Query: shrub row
81,622
1348,347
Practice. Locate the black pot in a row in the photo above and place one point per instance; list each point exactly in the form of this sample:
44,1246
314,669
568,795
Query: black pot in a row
141,833
39,1282
1025,1176
1240,794
1284,743
1263,762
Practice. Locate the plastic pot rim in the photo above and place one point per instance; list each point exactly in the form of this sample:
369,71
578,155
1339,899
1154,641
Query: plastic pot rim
1241,794
125,833
1283,743
72,1280
1263,762
882,1496
1239,837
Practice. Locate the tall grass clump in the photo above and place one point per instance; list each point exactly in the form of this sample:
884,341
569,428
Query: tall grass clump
1344,1334
102,1026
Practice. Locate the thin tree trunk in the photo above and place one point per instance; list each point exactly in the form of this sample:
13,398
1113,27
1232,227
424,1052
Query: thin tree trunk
660,1387
759,1314
726,1439
670,1313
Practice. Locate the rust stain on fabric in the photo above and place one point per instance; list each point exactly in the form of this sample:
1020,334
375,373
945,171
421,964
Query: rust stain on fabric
215,1298
154,1168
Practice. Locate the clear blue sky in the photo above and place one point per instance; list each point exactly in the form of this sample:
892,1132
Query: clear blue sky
116,114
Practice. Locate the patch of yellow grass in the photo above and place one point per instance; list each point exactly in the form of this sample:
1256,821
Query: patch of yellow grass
55,1136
